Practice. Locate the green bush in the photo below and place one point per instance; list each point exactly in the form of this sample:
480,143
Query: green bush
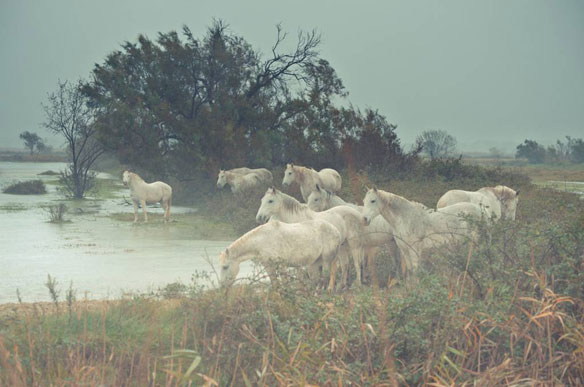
32,187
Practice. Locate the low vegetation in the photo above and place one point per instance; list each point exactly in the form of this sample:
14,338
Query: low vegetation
57,213
569,151
52,157
31,187
507,310
49,173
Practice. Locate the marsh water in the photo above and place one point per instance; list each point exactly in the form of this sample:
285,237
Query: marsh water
101,255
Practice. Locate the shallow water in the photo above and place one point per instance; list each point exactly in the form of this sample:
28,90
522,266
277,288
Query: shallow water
576,187
103,257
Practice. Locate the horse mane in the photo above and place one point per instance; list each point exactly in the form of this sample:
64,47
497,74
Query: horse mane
300,172
291,204
505,193
501,192
328,193
245,237
229,176
136,176
386,198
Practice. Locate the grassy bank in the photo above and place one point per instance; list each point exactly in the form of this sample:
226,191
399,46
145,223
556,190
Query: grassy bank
507,310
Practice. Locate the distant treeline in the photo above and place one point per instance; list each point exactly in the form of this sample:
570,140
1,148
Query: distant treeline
572,150
183,105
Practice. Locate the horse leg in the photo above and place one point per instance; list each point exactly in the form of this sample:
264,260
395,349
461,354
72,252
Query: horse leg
313,271
342,258
332,275
135,210
168,209
370,265
357,253
143,204
166,205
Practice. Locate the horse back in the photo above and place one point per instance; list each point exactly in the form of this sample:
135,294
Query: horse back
330,179
454,196
158,191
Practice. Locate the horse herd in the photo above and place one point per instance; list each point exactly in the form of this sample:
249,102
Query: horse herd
327,232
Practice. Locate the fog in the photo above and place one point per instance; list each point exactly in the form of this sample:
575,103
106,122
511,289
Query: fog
490,73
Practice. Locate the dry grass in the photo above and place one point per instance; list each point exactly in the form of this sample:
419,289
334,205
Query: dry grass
506,311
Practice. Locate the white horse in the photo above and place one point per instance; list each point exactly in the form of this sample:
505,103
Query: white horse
264,174
285,208
244,179
142,193
321,199
499,201
308,178
416,227
377,234
308,244
241,171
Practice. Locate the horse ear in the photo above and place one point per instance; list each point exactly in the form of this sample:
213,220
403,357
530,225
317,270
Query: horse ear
273,189
375,188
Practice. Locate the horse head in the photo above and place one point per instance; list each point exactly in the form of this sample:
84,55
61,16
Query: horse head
317,200
270,205
289,175
228,269
221,179
126,177
371,205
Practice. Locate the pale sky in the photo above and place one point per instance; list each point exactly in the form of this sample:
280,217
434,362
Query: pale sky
491,73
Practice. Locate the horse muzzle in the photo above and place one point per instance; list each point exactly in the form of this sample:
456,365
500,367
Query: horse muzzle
366,221
261,219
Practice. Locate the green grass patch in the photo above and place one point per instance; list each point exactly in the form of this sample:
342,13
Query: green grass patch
32,187
106,189
197,225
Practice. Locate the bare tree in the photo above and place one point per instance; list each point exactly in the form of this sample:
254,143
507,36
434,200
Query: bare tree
69,115
436,143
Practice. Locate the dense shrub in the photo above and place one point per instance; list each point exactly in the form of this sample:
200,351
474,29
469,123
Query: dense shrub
32,187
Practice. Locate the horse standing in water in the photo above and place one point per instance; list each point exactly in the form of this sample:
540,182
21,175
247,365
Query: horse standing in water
309,244
308,179
143,193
